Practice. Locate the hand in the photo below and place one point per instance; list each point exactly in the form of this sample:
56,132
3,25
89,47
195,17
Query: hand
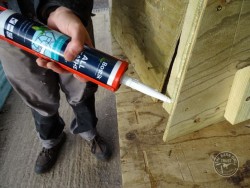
65,21
80,78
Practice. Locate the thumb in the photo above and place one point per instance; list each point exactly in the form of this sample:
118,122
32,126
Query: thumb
75,46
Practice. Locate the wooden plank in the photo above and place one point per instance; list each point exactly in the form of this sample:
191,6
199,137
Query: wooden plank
238,105
193,17
186,162
148,30
222,46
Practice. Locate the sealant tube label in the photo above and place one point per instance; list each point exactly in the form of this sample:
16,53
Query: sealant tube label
52,44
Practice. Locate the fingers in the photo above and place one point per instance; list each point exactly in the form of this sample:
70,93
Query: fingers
79,37
50,65
73,48
64,20
79,78
41,62
56,68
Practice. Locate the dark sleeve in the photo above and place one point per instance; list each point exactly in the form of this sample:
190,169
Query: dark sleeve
82,8
43,9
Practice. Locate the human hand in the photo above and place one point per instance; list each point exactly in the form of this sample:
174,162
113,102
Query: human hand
65,21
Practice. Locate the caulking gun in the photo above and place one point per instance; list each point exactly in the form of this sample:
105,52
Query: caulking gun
91,64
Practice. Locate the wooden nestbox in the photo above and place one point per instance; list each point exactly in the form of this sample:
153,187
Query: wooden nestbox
190,50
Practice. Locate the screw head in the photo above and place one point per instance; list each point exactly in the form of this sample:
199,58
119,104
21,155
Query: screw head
219,8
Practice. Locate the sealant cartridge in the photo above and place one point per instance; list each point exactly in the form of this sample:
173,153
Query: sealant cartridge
91,64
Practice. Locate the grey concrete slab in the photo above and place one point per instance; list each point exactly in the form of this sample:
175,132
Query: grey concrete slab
76,167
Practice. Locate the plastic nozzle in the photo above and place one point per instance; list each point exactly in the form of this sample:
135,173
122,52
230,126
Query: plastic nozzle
135,84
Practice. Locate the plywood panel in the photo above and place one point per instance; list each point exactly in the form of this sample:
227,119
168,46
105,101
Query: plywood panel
220,49
148,30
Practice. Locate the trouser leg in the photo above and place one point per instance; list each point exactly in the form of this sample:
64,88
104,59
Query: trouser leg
39,89
85,110
49,128
81,97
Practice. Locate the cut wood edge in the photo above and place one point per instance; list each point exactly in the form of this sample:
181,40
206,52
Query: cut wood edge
238,105
188,38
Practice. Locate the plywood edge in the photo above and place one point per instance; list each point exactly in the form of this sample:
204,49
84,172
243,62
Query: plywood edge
238,106
191,25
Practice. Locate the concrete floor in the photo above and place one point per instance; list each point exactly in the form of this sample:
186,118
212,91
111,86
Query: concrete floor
76,166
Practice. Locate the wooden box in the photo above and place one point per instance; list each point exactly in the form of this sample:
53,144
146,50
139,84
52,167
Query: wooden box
189,50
